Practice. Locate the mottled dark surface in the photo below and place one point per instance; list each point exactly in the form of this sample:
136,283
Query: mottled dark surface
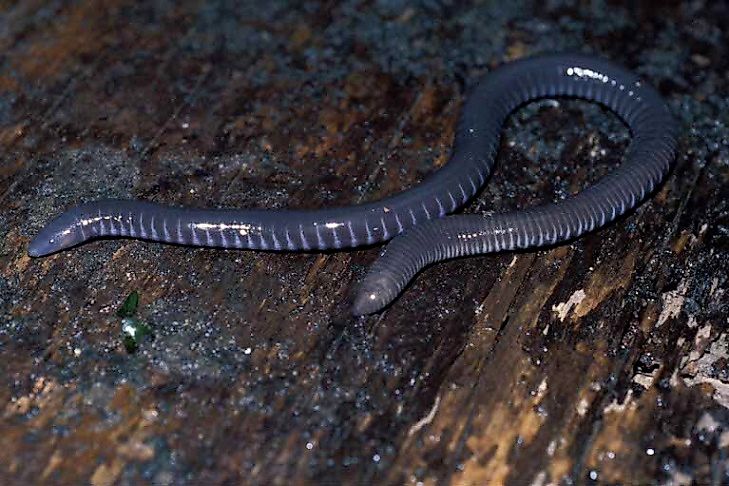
604,360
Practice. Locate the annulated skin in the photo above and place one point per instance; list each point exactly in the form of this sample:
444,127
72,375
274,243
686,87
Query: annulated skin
430,237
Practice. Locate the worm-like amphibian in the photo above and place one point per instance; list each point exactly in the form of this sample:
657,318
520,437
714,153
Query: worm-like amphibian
419,212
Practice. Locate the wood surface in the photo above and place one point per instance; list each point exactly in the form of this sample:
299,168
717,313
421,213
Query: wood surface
605,360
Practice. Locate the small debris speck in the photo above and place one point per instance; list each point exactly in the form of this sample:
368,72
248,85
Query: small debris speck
129,307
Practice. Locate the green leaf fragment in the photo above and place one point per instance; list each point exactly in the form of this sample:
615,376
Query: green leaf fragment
130,344
129,307
133,332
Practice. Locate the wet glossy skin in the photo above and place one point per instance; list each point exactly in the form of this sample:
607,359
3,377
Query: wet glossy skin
416,211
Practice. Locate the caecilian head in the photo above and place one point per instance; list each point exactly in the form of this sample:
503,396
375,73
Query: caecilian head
374,294
61,233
